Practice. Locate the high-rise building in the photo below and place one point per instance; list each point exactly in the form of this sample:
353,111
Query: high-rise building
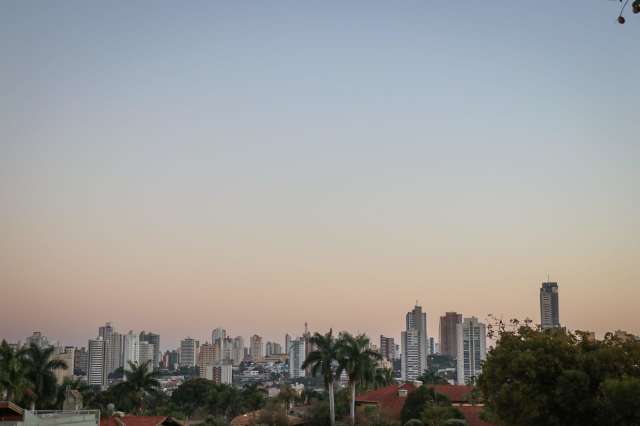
96,371
273,348
448,333
114,352
549,306
206,356
227,350
255,348
105,331
414,344
188,352
387,347
170,360
153,339
146,352
38,339
237,354
287,342
472,350
130,349
218,334
296,352
220,374
81,362
66,355
432,346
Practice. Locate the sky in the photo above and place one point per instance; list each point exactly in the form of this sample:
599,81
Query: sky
179,166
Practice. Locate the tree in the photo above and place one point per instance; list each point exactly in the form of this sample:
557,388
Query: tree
620,401
382,377
324,362
359,362
419,399
192,394
436,415
13,381
39,364
554,377
140,382
431,377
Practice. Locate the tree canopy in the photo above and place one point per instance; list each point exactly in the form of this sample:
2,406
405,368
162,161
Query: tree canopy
554,377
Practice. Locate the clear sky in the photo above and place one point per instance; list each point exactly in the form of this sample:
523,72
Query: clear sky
177,166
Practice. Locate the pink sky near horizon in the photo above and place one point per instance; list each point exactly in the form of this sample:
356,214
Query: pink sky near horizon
179,167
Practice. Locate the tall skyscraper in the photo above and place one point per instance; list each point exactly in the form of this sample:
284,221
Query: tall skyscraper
81,362
96,374
414,344
153,339
218,334
255,348
272,348
287,342
448,333
188,352
387,347
549,305
237,354
227,350
472,350
130,349
146,353
206,356
296,352
38,339
66,355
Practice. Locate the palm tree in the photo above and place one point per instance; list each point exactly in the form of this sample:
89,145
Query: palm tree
359,362
39,363
383,377
324,362
13,381
140,381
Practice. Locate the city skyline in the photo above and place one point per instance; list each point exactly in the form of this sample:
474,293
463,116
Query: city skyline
177,167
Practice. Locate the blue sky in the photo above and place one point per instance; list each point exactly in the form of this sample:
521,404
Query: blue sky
384,144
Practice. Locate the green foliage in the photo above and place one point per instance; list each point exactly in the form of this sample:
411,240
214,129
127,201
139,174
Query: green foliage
552,377
419,399
431,377
39,365
620,403
202,397
13,380
414,422
437,415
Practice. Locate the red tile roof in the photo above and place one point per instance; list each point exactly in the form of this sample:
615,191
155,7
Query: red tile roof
390,403
136,421
387,399
472,415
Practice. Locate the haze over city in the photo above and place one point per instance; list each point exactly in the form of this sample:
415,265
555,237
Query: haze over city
257,166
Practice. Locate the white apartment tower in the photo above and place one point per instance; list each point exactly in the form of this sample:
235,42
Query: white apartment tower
415,344
188,352
130,349
96,374
296,351
472,350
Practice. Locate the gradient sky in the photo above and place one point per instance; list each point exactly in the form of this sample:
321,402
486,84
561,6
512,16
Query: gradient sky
178,166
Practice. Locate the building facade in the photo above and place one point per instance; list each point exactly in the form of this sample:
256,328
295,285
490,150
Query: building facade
255,348
153,339
448,333
472,350
96,370
415,344
188,352
296,352
387,347
549,305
